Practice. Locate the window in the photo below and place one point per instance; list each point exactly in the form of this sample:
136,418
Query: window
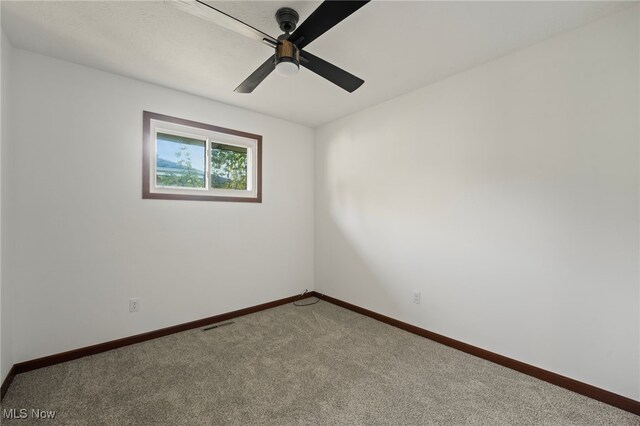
185,160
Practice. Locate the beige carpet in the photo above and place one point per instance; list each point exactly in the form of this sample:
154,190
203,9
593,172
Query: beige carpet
298,365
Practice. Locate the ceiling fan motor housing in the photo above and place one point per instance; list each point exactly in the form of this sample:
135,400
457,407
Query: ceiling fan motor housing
287,52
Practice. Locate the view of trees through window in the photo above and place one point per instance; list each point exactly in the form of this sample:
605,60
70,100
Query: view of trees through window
180,162
228,167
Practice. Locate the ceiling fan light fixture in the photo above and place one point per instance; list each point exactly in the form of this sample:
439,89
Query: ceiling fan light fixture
287,68
287,57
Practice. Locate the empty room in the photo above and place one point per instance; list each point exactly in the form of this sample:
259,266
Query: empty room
320,212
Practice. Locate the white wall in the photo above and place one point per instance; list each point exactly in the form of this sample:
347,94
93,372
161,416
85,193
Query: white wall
508,196
84,239
6,332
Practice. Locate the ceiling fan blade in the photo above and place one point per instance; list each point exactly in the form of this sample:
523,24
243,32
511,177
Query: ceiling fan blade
205,11
257,76
325,17
337,76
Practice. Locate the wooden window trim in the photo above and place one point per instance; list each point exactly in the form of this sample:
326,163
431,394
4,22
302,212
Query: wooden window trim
147,140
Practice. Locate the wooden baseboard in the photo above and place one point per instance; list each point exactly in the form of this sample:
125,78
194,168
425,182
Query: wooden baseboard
7,381
23,367
585,389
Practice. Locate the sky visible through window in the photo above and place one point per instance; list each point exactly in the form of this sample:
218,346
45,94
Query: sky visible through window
167,150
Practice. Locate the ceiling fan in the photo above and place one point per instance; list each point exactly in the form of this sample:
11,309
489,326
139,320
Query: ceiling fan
289,53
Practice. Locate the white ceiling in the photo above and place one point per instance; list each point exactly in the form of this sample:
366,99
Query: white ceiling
394,46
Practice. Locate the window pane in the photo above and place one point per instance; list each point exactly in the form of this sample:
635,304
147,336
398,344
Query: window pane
228,166
180,161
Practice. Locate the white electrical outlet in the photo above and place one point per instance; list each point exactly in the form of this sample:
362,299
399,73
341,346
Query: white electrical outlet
134,305
416,297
